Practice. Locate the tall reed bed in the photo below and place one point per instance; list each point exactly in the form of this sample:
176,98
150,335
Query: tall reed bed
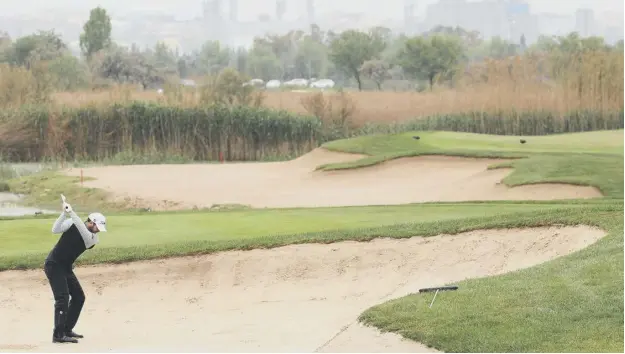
507,123
104,132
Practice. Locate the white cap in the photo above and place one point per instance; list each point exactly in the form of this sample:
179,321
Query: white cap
99,220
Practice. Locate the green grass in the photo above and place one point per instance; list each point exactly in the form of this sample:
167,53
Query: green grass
593,159
44,189
571,304
601,142
33,236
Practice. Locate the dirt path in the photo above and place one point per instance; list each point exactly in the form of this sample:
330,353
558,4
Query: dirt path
296,184
295,298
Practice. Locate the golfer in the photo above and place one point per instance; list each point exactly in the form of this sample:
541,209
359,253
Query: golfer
76,237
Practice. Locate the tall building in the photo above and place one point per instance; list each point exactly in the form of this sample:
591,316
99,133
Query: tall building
234,10
409,16
211,9
280,9
585,22
310,10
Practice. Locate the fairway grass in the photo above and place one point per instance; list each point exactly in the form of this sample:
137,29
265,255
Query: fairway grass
170,234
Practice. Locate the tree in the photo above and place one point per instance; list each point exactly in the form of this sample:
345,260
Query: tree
376,70
164,58
121,65
212,58
311,59
69,73
427,58
285,48
262,63
97,32
351,49
43,45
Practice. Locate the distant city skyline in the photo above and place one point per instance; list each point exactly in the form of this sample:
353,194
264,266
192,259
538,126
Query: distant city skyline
250,9
132,23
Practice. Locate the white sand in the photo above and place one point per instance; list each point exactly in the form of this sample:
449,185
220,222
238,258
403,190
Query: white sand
296,184
299,298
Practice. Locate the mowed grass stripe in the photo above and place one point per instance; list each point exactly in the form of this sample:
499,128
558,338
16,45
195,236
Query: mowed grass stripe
23,236
120,254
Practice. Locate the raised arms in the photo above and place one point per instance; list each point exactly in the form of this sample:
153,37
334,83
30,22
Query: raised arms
89,238
61,224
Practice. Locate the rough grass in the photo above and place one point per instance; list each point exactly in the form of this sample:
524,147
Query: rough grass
43,190
571,304
592,158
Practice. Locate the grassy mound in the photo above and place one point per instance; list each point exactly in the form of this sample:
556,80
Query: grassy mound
591,159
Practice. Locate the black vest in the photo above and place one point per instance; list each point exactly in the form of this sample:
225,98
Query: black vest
69,247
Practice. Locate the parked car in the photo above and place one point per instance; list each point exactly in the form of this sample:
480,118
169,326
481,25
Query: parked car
273,84
297,83
322,84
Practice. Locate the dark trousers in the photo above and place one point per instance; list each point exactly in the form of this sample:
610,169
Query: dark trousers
64,284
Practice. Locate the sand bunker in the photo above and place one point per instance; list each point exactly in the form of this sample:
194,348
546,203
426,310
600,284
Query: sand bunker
296,184
295,298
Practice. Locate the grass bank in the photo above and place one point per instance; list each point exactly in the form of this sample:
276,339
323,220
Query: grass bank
571,304
43,190
590,158
137,236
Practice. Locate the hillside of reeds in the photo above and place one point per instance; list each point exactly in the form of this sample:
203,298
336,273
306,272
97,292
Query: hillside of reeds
223,120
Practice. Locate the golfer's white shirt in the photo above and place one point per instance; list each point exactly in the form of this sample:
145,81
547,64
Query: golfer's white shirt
62,224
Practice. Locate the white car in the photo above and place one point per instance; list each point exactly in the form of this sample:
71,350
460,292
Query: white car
323,84
255,83
273,84
297,83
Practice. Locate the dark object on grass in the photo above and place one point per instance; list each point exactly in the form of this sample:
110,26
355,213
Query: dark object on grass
437,289
441,288
38,213
416,137
522,141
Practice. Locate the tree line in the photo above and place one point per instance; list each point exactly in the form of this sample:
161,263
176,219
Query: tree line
349,58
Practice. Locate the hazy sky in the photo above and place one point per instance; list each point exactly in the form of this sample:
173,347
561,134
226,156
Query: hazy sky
250,9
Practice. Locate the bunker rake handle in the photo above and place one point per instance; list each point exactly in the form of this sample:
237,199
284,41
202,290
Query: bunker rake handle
436,290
